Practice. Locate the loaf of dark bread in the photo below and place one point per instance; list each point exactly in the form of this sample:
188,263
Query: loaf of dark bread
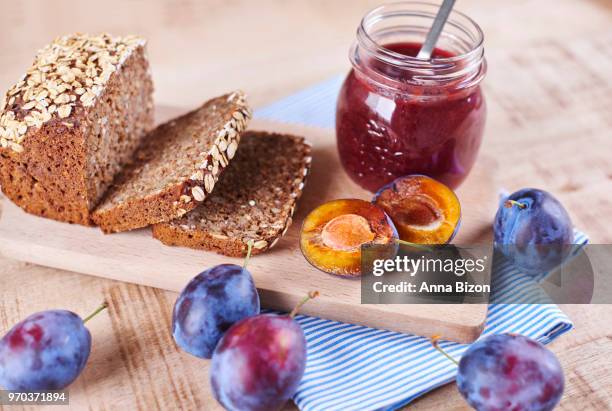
254,201
176,167
72,123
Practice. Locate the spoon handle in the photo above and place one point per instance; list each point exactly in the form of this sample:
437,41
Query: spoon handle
436,29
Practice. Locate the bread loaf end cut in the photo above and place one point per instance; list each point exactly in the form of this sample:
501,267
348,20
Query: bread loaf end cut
72,122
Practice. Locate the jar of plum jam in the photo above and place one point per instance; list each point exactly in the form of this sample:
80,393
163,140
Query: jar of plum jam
397,114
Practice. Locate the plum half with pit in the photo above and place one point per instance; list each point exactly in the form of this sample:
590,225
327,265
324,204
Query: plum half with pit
510,372
533,230
333,233
423,210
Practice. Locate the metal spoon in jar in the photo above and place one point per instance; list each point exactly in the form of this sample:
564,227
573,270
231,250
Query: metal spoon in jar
436,29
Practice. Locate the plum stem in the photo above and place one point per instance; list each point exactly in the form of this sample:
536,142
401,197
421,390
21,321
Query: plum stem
96,312
434,341
510,203
248,256
414,245
310,296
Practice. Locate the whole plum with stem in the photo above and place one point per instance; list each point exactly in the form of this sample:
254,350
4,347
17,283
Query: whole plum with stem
210,304
46,351
533,230
259,362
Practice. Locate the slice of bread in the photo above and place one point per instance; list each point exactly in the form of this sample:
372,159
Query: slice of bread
176,167
72,122
254,201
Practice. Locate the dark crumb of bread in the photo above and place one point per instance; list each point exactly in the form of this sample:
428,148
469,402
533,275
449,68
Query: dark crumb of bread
176,167
254,201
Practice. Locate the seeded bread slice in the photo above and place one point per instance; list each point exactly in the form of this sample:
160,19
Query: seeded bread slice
254,201
176,167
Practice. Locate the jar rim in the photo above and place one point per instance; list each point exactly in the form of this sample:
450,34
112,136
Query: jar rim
411,7
462,69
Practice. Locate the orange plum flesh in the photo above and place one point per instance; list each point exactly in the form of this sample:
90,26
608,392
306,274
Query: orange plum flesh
333,233
423,210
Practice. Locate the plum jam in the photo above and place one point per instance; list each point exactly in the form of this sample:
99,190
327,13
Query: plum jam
399,115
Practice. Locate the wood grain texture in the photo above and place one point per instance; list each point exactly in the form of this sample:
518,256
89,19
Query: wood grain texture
549,125
282,275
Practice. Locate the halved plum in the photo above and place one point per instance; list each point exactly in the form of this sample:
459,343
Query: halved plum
333,233
423,210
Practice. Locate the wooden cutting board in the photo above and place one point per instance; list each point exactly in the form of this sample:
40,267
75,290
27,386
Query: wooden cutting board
282,275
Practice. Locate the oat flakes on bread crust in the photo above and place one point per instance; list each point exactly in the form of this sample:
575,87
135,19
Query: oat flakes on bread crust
255,199
72,122
177,166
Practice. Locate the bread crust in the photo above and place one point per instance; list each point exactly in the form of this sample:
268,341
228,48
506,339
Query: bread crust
201,240
46,179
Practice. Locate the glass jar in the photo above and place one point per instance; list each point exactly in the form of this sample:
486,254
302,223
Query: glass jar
398,115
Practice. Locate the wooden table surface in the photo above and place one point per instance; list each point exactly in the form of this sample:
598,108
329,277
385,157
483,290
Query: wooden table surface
549,91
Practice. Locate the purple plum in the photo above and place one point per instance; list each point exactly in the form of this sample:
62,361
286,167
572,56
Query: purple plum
533,230
46,351
212,302
259,362
510,372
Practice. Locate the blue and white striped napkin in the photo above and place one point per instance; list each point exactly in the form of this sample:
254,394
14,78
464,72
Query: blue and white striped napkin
355,368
